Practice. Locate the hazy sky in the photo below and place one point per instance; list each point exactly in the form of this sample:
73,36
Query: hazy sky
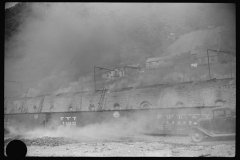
58,42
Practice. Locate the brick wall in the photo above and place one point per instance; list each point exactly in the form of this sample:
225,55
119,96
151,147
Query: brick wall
191,94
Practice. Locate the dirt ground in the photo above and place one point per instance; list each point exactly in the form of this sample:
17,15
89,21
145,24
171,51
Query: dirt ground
130,146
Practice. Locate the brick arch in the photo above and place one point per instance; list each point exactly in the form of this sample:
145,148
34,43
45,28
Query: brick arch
116,106
145,104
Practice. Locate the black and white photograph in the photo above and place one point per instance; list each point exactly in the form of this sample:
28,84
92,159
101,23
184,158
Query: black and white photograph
105,79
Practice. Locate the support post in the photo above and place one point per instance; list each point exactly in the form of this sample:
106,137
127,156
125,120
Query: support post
183,76
230,64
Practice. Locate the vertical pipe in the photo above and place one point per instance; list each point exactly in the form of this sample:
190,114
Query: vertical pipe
94,80
208,65
81,98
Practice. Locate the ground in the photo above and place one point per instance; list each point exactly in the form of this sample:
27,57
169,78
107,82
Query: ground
131,145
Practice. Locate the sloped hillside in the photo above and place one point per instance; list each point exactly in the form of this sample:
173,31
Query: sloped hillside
180,69
208,39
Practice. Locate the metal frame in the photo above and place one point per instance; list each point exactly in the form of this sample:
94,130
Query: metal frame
94,75
217,53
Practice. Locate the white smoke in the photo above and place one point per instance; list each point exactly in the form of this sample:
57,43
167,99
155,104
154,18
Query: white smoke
56,39
115,128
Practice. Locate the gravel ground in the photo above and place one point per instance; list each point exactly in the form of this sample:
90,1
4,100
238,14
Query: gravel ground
132,145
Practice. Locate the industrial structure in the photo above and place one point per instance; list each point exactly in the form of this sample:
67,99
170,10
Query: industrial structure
165,109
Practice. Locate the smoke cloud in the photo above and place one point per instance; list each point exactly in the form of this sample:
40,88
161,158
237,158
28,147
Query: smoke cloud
105,130
58,43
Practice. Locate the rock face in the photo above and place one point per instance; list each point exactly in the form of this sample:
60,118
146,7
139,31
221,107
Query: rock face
188,94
